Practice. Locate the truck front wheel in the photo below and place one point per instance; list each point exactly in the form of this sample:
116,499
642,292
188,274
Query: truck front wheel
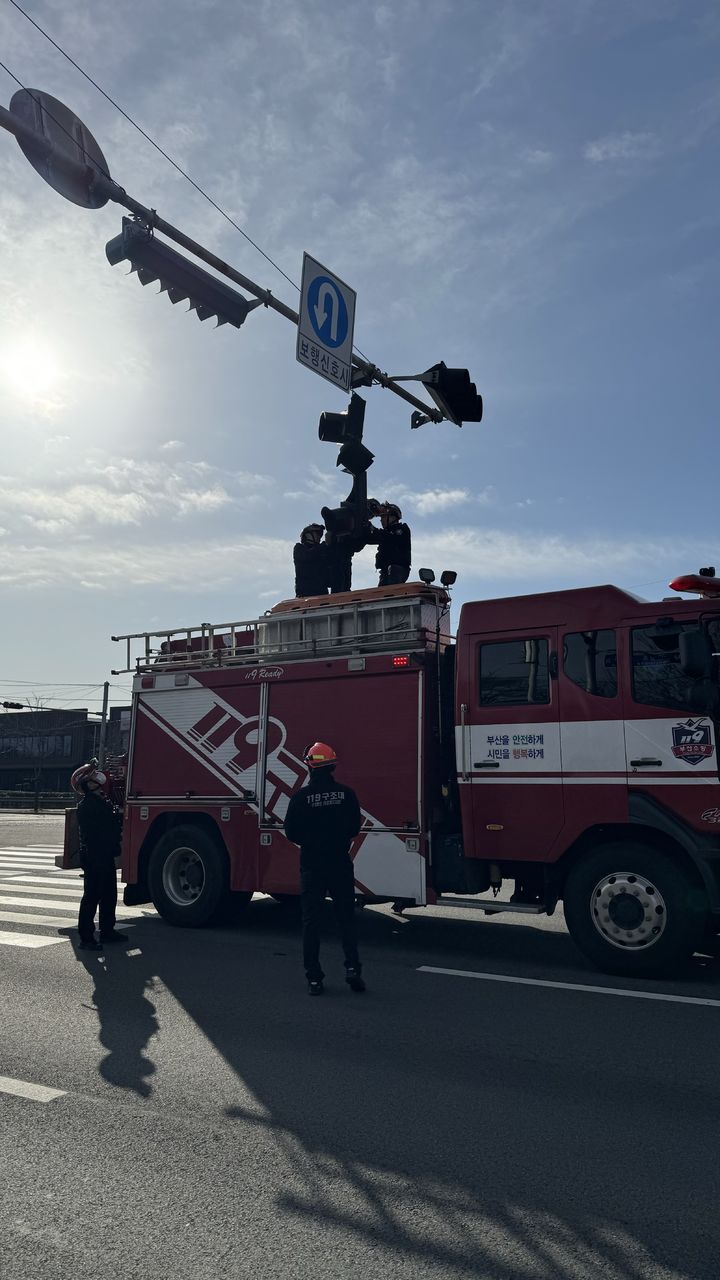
189,877
633,911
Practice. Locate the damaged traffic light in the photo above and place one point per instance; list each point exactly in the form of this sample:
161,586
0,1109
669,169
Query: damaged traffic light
346,430
179,277
454,394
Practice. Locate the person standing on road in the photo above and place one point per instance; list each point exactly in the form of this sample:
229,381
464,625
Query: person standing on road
99,844
323,818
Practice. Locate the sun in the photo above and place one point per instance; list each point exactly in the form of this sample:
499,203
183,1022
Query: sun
31,370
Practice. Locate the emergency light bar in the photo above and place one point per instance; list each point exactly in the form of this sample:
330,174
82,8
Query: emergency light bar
697,584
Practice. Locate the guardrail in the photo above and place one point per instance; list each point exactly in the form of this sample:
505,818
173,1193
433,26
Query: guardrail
45,800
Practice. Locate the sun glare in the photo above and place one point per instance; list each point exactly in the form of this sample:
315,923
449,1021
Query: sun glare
31,370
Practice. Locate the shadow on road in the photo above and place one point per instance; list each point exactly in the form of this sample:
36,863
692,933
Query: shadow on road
126,1016
474,1132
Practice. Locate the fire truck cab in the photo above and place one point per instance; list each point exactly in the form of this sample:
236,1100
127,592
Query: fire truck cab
562,743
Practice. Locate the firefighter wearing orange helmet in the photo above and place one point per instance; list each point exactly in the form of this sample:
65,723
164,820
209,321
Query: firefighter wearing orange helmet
323,818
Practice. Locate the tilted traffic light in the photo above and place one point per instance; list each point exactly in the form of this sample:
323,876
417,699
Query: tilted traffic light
179,277
346,430
454,394
335,428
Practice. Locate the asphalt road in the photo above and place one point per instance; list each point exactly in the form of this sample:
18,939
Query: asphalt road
212,1121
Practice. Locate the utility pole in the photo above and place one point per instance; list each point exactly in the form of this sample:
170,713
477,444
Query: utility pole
103,725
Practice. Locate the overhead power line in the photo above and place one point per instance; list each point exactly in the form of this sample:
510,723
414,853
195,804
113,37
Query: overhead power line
179,169
151,140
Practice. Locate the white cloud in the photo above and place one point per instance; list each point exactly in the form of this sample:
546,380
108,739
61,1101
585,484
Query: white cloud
433,500
622,146
495,554
128,492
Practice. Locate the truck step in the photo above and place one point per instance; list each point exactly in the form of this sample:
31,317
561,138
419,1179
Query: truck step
491,908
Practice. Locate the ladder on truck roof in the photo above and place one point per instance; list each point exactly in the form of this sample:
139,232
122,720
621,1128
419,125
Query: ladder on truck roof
413,616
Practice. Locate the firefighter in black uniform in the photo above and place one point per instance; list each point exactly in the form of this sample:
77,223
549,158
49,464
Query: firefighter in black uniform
393,557
324,818
99,833
310,558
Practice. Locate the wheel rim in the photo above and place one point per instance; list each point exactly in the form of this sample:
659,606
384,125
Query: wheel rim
628,910
183,876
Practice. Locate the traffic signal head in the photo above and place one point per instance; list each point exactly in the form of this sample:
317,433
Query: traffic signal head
338,427
339,520
354,457
454,394
179,277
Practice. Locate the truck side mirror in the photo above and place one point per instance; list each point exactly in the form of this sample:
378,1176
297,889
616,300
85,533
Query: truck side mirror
695,654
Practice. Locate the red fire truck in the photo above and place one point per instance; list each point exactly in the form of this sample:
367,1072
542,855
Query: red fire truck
562,742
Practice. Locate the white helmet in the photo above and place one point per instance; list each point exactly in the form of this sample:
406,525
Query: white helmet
90,773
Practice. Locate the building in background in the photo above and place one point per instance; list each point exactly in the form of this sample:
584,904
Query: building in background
40,749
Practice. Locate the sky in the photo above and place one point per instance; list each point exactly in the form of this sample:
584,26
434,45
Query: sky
526,188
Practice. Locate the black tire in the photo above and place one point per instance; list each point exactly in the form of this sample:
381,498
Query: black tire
189,877
634,911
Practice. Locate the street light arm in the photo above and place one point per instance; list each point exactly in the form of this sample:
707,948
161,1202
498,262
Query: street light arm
106,186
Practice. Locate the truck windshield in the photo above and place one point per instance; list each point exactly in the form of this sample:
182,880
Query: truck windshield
657,677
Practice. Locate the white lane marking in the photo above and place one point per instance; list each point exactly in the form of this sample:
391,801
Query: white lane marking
569,986
27,848
35,850
37,859
33,884
28,940
24,917
11,900
45,854
24,864
60,878
26,1089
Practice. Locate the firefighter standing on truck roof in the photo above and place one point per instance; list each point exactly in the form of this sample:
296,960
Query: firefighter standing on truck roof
324,818
394,556
310,558
99,844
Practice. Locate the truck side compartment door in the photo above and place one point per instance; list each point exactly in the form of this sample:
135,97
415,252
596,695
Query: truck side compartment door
512,746
374,722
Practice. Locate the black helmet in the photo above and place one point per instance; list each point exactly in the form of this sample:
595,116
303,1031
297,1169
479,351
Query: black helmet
312,533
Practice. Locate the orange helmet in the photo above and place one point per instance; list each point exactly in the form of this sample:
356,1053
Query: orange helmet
319,754
90,773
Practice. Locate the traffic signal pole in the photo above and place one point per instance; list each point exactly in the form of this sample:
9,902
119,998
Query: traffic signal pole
103,185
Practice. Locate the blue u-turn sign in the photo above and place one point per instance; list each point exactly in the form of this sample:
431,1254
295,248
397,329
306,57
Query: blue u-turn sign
327,310
325,323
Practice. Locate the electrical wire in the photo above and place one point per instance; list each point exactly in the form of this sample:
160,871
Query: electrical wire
201,191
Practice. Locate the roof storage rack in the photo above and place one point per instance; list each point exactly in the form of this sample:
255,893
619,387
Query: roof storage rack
411,616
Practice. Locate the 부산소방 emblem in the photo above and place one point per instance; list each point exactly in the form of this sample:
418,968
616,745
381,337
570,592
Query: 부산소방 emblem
692,741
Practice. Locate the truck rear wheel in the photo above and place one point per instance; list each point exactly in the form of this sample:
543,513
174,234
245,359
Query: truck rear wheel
189,877
634,911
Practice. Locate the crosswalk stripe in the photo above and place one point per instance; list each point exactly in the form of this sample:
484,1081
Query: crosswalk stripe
32,850
24,864
9,900
22,917
32,940
56,880
34,884
10,864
